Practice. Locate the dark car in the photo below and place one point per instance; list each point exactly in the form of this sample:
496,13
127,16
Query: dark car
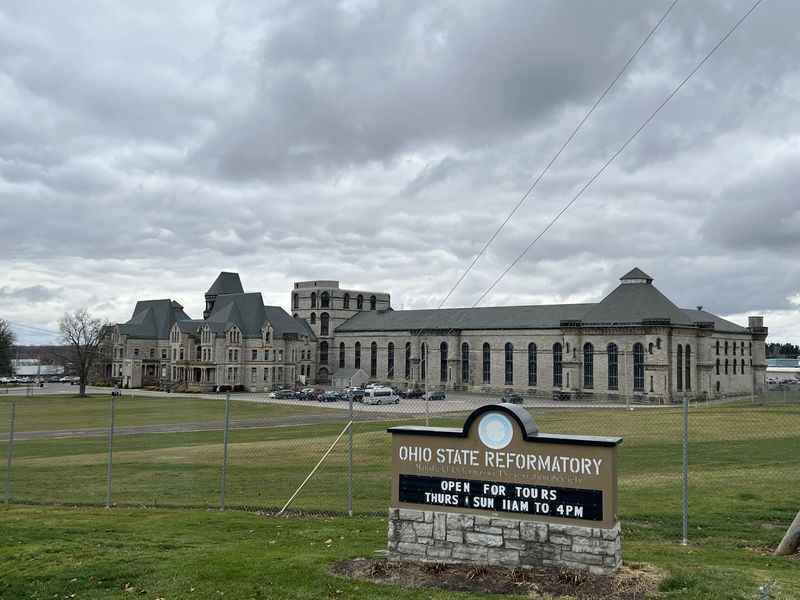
286,395
415,393
437,396
357,395
510,398
330,396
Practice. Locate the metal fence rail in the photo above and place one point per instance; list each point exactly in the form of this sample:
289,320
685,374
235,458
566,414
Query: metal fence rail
248,452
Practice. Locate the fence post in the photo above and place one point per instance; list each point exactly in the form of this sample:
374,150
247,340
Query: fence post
10,449
685,539
109,477
350,461
225,452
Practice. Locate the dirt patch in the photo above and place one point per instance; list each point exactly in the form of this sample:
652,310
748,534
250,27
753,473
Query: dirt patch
631,582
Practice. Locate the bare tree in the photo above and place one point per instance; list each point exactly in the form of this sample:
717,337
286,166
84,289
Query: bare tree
84,335
7,339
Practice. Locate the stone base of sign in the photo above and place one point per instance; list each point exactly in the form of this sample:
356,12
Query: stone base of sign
431,536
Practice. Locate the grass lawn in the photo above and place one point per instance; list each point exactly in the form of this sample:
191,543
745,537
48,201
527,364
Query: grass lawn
744,462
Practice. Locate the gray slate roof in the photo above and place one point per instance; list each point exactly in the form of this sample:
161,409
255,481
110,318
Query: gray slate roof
248,313
152,319
226,283
635,273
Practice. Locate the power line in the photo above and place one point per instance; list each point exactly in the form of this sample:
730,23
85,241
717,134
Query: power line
33,328
621,149
558,154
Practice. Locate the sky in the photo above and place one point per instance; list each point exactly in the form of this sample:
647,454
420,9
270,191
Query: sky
147,146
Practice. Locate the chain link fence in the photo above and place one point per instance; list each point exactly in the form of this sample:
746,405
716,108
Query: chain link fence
250,452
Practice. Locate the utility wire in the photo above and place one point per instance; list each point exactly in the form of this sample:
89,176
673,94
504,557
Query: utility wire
32,328
555,157
621,149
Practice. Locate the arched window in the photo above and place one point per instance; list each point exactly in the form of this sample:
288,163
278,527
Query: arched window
734,366
313,299
341,355
373,360
751,348
295,301
726,366
638,367
443,362
324,300
679,370
423,362
717,366
324,327
613,367
487,363
531,364
359,302
734,348
558,371
346,301
408,360
357,355
313,318
390,361
588,366
717,347
465,362
650,348
688,367
509,363
741,348
658,343
373,302
323,353
726,347
742,371
718,387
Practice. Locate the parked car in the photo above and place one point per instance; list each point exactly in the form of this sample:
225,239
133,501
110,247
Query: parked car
436,396
329,396
357,394
512,398
413,393
380,395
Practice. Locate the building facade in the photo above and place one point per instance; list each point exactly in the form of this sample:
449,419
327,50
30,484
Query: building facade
634,342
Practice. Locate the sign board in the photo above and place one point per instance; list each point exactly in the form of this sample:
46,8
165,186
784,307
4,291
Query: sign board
498,463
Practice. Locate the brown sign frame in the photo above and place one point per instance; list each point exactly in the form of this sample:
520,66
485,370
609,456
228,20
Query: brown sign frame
531,472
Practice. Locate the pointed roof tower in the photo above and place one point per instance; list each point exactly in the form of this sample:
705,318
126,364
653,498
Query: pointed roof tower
636,275
225,283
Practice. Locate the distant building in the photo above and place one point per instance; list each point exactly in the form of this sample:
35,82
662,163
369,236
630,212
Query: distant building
32,367
634,342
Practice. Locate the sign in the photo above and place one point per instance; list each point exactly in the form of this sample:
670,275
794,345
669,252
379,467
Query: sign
499,463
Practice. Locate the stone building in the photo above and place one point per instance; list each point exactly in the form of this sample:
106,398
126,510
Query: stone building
634,342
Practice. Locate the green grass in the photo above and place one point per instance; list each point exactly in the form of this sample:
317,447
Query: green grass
744,462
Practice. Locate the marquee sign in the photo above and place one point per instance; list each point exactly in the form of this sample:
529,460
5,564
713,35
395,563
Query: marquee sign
498,463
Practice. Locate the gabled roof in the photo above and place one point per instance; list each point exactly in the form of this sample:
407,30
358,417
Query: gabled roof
495,317
152,319
226,283
246,311
283,323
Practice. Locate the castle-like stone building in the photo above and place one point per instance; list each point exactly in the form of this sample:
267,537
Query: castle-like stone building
634,342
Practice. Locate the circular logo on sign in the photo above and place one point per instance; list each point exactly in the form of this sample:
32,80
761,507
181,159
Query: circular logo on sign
496,431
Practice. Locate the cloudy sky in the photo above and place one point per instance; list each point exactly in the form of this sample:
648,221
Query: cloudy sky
146,146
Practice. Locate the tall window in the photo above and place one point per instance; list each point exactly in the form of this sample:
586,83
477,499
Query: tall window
688,367
443,362
734,365
357,355
313,299
588,366
638,367
741,348
324,300
313,318
341,355
679,372
323,353
717,366
509,363
726,347
465,362
717,347
531,364
373,302
295,302
324,323
373,360
346,301
613,367
423,362
726,366
408,360
390,361
558,371
734,348
487,363
742,371
359,302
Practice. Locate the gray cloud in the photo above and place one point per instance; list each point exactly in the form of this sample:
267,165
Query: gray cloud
143,149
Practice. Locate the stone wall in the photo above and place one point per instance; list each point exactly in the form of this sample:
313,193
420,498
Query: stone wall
461,538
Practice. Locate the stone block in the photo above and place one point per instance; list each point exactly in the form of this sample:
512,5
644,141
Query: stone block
503,557
563,540
470,553
571,530
533,532
483,521
440,526
513,544
611,534
408,514
595,546
411,548
483,539
423,529
404,531
438,552
394,513
489,530
582,559
510,534
505,523
429,517
455,537
460,521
